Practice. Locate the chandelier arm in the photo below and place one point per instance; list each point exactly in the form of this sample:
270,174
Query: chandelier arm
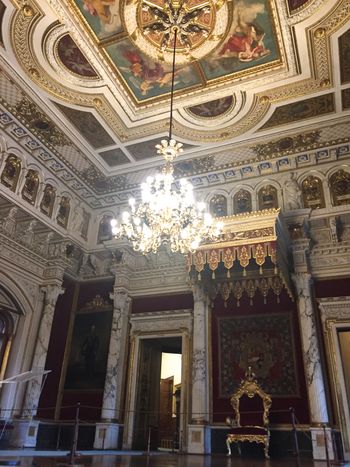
172,88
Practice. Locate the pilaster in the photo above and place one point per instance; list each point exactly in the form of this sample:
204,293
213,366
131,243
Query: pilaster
312,363
198,434
50,293
107,433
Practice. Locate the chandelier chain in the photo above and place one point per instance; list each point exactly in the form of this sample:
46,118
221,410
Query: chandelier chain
167,213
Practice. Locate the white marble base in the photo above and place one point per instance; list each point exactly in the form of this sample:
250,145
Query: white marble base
198,439
318,443
24,434
106,436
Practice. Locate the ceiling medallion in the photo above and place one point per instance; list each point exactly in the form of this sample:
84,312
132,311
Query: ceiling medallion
201,25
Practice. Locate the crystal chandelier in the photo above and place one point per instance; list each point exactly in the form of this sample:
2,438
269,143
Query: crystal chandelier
167,214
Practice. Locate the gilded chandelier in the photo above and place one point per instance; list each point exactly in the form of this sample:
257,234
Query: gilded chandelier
168,213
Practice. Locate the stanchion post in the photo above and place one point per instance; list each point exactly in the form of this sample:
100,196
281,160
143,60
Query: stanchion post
73,451
58,437
324,426
149,440
295,434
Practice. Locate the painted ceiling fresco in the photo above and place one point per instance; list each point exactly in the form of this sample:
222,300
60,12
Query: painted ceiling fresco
73,59
249,44
92,104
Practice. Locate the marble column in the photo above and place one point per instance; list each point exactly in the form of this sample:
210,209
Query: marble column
312,364
198,440
23,436
107,433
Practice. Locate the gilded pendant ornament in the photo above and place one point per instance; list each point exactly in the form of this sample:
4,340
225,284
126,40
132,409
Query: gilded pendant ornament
200,25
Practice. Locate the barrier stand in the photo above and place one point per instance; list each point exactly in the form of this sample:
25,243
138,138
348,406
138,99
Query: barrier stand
73,451
295,435
149,441
324,426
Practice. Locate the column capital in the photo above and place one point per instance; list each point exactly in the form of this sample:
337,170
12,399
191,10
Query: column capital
52,292
199,294
120,297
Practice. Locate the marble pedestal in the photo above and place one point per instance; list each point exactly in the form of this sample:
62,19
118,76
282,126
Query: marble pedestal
198,439
107,435
319,445
24,434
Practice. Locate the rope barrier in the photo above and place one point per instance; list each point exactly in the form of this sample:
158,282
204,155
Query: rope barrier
78,422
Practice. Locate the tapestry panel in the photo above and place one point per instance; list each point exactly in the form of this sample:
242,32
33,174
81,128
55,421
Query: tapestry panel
264,342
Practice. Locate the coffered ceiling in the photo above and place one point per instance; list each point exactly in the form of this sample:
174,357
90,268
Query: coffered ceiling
84,92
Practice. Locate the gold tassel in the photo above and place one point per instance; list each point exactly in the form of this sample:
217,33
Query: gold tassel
213,275
228,275
244,272
260,270
199,276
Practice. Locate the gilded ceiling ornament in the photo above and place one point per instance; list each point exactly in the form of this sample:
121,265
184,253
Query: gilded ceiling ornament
39,123
194,166
319,32
287,145
200,26
97,102
28,11
101,183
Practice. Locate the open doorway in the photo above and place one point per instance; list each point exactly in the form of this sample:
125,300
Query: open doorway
169,401
158,394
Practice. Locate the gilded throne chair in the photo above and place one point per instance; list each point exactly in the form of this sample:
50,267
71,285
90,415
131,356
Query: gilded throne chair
251,406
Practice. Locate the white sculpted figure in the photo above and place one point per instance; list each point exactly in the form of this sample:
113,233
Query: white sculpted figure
292,192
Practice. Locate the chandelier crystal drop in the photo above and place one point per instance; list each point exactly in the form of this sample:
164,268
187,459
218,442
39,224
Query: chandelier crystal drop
167,213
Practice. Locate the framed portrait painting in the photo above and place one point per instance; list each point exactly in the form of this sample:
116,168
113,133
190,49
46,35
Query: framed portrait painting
88,355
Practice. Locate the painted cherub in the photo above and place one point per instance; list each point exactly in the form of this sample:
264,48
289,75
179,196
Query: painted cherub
100,8
149,77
